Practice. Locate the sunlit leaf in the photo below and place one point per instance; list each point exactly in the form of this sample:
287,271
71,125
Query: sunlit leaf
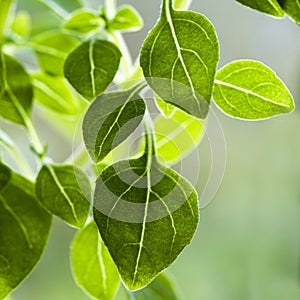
92,66
63,190
93,268
179,59
111,119
146,214
21,25
248,89
24,229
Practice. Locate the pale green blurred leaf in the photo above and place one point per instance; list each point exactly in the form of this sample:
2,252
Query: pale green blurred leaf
182,4
165,108
92,66
248,89
92,266
21,25
54,93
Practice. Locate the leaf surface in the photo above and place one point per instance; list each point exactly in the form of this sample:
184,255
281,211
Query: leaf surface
248,89
16,99
179,59
24,229
110,119
292,8
63,190
270,7
52,49
92,266
146,214
92,66
161,288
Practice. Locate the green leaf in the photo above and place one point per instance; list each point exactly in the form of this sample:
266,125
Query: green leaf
161,288
21,25
16,99
249,90
177,135
179,59
24,229
127,19
165,108
92,266
292,8
84,21
64,190
111,119
146,214
52,49
270,7
92,66
54,93
182,4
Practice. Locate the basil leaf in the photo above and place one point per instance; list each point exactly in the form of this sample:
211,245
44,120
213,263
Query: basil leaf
92,266
54,93
24,229
161,288
21,25
292,8
58,190
92,67
270,7
179,59
177,135
127,19
248,89
111,119
84,21
146,214
16,99
52,49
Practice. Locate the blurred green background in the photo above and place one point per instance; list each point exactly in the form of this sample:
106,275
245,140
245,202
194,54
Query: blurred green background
248,242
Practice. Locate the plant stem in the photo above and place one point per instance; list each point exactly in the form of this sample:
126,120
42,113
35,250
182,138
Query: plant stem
57,9
110,8
4,13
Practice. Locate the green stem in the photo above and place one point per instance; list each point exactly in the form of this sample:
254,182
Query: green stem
4,13
110,8
55,8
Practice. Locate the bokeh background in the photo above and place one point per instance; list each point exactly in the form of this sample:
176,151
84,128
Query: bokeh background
248,242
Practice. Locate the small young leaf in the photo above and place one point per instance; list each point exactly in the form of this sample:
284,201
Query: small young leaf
292,8
111,119
54,93
179,59
24,229
249,90
177,135
92,67
52,49
84,21
127,19
21,25
62,190
92,266
146,214
270,7
161,288
16,99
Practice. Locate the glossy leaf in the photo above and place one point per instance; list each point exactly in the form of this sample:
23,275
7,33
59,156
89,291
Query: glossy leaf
24,229
179,59
270,7
146,214
111,119
127,19
52,49
21,25
62,190
92,266
248,89
177,135
84,21
161,288
92,67
16,99
54,93
292,8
